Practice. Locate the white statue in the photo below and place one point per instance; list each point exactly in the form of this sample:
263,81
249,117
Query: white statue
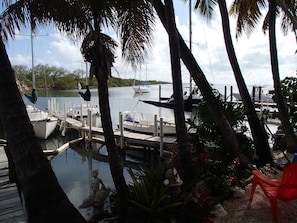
98,194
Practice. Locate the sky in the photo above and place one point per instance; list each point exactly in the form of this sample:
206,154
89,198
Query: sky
54,49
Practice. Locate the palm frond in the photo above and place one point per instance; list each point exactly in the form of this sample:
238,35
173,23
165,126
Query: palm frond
206,7
135,24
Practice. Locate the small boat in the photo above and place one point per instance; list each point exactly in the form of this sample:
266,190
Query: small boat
42,122
82,110
136,122
190,100
142,87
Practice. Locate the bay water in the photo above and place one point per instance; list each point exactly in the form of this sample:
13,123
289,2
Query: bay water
73,168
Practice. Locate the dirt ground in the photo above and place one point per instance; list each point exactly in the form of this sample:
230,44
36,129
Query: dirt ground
241,210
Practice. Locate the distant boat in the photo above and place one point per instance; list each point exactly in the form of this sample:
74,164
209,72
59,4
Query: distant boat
142,87
190,100
134,121
82,110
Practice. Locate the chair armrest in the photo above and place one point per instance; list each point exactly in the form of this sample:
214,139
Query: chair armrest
261,177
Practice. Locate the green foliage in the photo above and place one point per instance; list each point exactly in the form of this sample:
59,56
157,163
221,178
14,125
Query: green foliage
60,79
150,199
214,164
289,90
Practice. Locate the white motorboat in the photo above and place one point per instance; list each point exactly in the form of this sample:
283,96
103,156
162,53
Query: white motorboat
135,122
42,122
82,110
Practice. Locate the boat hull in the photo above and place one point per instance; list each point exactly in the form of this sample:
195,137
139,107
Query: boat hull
44,128
141,89
43,124
76,111
134,123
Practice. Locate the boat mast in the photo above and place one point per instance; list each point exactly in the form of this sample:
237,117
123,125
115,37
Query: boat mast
32,60
190,36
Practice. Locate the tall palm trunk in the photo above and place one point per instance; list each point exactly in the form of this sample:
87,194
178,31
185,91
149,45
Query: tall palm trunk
101,64
113,154
179,115
45,200
258,131
283,114
214,106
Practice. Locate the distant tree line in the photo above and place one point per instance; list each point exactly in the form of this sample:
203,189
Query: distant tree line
57,78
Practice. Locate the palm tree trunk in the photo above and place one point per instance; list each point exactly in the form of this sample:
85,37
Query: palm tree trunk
214,106
258,131
113,154
45,201
283,114
181,129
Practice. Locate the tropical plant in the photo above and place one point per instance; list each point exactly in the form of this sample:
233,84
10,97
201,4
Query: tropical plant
207,134
86,19
248,14
179,115
149,198
199,78
33,170
257,129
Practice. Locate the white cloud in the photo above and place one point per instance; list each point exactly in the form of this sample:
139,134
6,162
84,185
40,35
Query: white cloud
207,47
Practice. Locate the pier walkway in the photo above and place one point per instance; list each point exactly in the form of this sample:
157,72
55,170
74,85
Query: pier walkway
11,209
122,137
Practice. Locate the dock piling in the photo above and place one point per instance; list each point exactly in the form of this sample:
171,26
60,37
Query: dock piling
161,137
90,124
121,130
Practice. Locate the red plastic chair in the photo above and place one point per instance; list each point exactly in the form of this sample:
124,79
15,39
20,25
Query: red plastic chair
282,189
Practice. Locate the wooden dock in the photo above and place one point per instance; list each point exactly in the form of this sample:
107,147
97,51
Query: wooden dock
11,209
122,137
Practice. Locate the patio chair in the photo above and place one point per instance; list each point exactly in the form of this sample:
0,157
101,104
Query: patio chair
277,189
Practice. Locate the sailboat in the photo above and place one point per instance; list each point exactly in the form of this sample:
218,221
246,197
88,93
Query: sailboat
141,87
42,122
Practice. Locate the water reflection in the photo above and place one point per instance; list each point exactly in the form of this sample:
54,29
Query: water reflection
73,168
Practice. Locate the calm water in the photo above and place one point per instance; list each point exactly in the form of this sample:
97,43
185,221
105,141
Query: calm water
73,168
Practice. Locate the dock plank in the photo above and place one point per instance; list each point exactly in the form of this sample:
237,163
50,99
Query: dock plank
130,137
11,208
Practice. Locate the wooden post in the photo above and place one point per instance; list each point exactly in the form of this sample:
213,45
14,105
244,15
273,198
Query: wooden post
65,111
155,125
81,115
161,137
225,93
231,93
72,110
160,93
121,130
90,124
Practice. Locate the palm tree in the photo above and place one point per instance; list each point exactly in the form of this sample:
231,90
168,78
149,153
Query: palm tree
214,105
85,19
43,195
181,129
257,129
248,14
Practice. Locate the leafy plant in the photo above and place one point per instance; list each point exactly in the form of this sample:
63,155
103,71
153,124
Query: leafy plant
150,199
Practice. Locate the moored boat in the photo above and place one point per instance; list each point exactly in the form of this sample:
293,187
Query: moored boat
42,122
82,110
136,122
142,87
